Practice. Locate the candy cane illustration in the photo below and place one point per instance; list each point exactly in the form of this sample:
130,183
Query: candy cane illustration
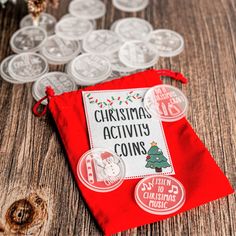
89,169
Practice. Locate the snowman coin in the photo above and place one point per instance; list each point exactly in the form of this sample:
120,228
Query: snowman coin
101,170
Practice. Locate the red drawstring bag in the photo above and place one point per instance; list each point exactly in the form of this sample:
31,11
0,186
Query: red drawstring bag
117,210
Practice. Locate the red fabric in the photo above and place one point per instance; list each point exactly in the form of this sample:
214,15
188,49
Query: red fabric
117,211
50,93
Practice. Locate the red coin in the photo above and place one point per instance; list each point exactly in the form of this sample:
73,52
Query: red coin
160,195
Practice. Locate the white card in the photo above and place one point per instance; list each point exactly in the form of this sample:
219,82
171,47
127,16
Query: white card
117,120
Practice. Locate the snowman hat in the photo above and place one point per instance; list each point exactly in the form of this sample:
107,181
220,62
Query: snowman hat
106,155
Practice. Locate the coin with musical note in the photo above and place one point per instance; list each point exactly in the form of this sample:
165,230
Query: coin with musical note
101,170
160,194
166,103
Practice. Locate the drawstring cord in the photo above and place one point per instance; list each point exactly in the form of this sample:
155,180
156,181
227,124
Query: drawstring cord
174,75
49,94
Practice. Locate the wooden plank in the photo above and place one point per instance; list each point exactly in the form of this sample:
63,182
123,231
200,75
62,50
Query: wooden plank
32,159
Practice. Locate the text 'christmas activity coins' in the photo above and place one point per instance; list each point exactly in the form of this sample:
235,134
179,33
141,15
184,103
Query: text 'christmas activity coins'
101,170
102,42
89,9
58,81
168,43
138,54
160,195
130,6
28,39
133,29
166,102
59,51
90,69
27,67
5,72
72,28
45,21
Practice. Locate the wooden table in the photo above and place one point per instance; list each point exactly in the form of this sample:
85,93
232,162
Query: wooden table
33,164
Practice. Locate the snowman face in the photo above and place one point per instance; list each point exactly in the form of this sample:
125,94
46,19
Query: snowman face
111,169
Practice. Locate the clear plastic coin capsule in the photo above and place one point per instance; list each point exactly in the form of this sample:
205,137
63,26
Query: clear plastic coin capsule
94,23
89,9
133,28
102,42
60,51
90,69
130,6
45,21
27,67
28,39
73,28
166,42
117,65
166,103
101,170
138,54
4,71
59,81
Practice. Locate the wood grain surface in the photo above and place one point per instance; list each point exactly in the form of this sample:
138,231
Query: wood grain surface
33,164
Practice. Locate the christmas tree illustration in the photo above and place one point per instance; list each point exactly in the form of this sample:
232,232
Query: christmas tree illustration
155,159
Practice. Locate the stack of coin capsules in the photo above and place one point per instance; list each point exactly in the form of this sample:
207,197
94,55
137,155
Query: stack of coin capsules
91,55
